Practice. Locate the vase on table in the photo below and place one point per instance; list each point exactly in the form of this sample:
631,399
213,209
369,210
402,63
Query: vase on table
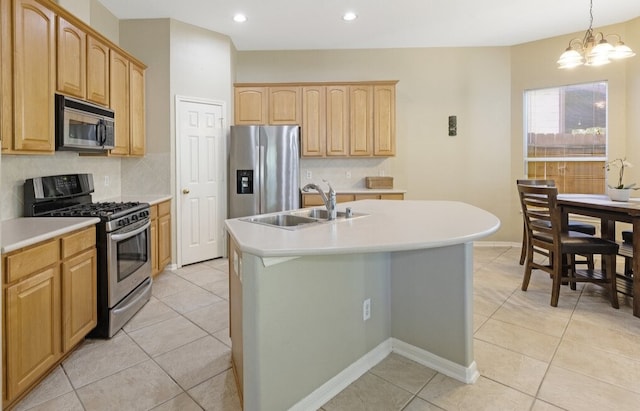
619,194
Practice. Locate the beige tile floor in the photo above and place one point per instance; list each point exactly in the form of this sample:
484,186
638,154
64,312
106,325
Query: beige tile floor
174,354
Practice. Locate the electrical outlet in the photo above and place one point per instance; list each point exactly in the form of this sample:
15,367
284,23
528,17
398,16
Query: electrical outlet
309,175
366,309
347,174
106,181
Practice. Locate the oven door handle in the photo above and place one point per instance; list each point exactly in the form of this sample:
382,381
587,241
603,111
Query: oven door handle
133,233
135,300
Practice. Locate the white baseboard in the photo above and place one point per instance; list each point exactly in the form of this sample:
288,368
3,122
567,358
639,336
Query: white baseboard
468,375
335,385
331,388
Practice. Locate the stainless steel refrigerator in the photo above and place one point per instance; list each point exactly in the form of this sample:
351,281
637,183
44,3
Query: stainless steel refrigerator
264,169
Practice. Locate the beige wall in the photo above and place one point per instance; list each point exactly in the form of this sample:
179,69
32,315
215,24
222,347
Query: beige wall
533,66
471,83
484,87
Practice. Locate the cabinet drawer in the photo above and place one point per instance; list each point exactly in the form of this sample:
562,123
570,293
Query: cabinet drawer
30,260
76,242
164,208
311,200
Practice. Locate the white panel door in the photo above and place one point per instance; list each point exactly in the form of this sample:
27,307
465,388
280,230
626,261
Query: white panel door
200,135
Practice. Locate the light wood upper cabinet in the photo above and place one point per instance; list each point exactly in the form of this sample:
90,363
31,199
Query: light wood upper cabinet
356,119
361,120
337,120
44,49
284,105
250,105
97,71
72,59
384,120
119,97
137,130
313,131
33,77
6,75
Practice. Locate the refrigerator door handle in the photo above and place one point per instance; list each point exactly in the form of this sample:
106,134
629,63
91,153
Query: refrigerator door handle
262,196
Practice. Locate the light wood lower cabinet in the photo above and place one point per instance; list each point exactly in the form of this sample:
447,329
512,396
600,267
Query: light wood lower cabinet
32,329
160,236
49,307
235,312
313,200
79,298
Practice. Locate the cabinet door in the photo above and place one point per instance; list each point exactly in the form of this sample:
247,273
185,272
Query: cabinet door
164,241
155,258
6,76
79,298
284,105
384,120
34,76
337,119
314,135
97,71
32,322
250,105
137,110
119,97
360,120
72,59
235,312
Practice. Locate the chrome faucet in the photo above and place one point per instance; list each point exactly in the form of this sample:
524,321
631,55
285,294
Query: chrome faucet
329,202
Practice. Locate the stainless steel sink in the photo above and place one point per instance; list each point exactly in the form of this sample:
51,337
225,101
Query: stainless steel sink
323,214
282,220
292,220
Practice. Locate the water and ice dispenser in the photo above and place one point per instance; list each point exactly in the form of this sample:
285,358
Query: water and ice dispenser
244,181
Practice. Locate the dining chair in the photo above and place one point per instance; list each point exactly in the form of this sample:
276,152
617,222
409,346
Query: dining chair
578,226
545,237
626,251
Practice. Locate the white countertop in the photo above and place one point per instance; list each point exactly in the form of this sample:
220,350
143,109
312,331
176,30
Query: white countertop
25,231
390,226
151,199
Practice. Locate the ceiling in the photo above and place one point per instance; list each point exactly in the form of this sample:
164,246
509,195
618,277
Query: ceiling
317,24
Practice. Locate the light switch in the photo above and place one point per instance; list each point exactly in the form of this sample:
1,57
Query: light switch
453,126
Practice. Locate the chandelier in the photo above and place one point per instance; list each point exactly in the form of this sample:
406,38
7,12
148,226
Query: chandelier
593,49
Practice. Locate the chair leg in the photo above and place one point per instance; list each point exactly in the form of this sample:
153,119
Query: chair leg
557,279
523,251
572,271
610,262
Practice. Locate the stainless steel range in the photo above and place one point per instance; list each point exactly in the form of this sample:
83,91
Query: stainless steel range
123,242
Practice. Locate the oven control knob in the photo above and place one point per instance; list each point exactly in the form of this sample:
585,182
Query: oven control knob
123,221
134,218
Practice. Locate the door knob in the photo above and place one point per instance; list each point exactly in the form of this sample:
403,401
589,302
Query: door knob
185,191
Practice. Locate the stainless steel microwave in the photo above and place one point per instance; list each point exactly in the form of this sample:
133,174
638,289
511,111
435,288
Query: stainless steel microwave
81,126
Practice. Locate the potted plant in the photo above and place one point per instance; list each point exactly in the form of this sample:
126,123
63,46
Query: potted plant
619,192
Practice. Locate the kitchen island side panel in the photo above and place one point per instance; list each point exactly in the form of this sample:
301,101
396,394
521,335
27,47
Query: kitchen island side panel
432,301
303,322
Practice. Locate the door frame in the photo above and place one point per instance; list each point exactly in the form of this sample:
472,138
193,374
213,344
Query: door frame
222,187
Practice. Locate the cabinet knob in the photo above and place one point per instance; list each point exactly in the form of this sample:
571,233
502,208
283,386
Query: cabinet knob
185,191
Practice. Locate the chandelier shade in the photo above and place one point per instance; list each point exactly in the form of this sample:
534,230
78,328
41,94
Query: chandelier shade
593,49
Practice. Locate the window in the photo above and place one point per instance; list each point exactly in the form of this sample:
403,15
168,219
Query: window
566,136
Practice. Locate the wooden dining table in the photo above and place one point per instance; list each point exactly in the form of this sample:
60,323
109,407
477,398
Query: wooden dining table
609,212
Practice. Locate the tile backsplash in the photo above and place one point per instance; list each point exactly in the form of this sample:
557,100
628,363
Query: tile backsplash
342,173
17,168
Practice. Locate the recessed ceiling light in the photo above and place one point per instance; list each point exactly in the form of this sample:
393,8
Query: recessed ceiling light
239,18
349,16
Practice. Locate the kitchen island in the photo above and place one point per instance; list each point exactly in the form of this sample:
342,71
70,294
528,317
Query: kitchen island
299,298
